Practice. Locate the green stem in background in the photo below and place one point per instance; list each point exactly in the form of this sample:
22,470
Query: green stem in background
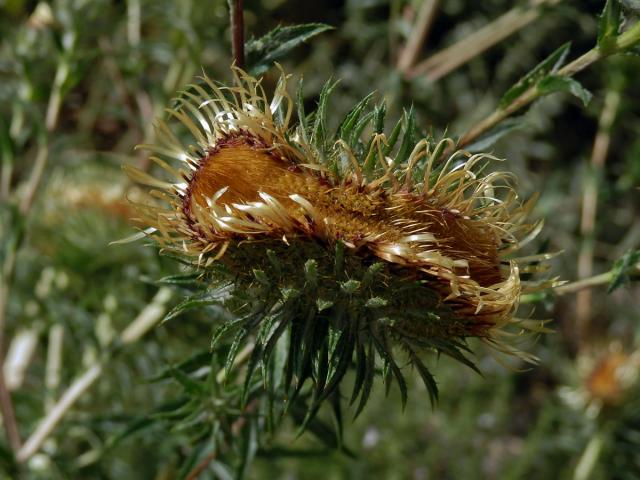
590,205
626,40
146,319
237,32
589,457
448,59
8,268
579,285
594,281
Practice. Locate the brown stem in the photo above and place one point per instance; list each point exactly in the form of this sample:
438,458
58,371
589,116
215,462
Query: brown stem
8,415
6,405
419,34
237,31
201,467
445,61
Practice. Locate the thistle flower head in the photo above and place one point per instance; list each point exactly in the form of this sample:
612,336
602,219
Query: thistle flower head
352,243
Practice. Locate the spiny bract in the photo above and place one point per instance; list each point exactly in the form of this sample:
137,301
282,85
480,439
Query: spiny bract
338,247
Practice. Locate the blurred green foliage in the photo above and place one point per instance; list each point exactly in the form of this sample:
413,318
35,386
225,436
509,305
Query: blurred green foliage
84,80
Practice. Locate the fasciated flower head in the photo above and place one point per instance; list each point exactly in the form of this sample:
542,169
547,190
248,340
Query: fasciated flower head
366,233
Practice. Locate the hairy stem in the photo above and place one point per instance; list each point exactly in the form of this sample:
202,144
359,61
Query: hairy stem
626,40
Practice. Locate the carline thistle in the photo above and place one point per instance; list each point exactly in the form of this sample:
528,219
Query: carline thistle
376,244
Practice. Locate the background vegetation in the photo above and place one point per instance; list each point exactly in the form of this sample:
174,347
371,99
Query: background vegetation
80,83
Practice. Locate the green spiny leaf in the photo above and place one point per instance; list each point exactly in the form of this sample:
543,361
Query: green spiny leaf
340,361
274,261
323,304
319,132
320,429
409,137
371,273
361,368
198,301
348,124
192,280
261,277
302,116
621,269
350,286
393,138
384,350
190,364
192,387
369,375
251,366
557,83
427,378
311,273
379,114
609,24
549,65
376,302
356,135
487,140
240,337
453,350
283,323
226,327
263,52
336,409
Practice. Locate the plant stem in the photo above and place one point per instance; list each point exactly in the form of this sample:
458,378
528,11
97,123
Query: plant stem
8,267
419,34
445,61
49,423
594,281
8,415
589,458
54,363
236,17
626,40
146,319
201,467
6,406
590,206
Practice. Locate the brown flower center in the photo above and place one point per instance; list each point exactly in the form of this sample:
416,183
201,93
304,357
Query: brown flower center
353,213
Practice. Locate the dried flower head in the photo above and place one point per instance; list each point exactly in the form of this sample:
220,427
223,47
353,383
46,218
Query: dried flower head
351,244
607,380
